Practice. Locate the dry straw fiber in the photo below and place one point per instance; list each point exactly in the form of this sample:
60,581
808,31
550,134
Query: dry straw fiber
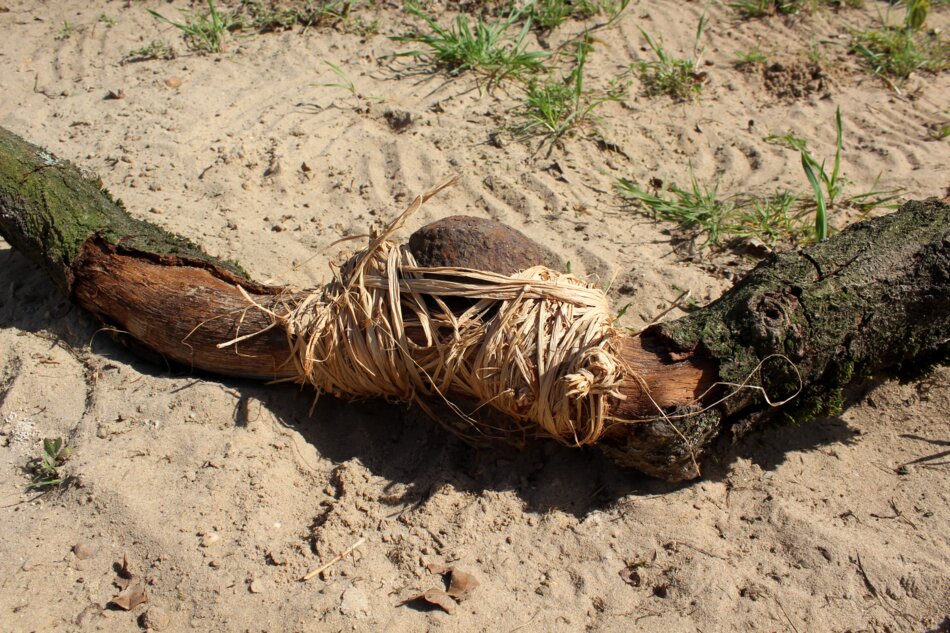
538,346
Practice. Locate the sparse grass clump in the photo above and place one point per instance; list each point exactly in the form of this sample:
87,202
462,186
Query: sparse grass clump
557,104
794,217
489,47
939,131
751,58
67,31
701,213
156,49
343,82
46,468
267,16
668,75
895,52
547,15
203,32
761,8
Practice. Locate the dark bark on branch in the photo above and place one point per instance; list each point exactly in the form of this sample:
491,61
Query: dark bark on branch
875,297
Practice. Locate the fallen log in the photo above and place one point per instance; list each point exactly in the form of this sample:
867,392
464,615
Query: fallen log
797,330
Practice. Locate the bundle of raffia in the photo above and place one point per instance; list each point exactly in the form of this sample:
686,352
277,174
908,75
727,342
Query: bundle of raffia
538,346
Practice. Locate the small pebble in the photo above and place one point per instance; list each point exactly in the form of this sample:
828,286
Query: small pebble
84,550
155,619
276,558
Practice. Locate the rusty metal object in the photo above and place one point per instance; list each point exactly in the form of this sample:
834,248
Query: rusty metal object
468,242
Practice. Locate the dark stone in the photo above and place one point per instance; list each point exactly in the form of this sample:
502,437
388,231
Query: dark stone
468,242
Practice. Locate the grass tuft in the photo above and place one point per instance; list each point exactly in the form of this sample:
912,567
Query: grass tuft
547,15
267,16
345,83
487,47
668,75
896,52
939,131
751,58
699,211
203,32
67,31
46,468
157,49
558,104
761,8
783,216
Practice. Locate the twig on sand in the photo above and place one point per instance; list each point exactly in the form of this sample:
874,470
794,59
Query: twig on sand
785,613
319,570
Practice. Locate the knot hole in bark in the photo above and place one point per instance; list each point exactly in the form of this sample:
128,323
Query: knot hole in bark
776,323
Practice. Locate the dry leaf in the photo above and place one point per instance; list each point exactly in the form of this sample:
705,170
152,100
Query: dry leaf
130,597
437,568
462,584
438,598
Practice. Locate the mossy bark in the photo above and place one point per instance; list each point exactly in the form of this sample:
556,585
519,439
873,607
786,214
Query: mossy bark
874,298
49,209
166,298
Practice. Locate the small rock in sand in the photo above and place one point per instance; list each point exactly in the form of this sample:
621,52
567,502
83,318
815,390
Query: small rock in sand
257,586
85,550
155,619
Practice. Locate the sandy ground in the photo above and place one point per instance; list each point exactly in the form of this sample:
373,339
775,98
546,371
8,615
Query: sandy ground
223,493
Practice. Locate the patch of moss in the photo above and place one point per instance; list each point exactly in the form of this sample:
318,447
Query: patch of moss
53,209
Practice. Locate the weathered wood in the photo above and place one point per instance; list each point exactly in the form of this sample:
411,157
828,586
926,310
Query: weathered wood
874,297
182,311
49,210
170,296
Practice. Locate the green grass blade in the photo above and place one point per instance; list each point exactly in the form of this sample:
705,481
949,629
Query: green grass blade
833,186
821,214
159,16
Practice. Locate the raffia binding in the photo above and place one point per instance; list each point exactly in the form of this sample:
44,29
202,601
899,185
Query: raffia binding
539,346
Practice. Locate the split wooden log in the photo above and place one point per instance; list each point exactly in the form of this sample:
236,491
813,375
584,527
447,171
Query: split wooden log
806,324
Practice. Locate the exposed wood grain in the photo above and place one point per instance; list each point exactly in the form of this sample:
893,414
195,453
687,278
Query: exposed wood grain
182,311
